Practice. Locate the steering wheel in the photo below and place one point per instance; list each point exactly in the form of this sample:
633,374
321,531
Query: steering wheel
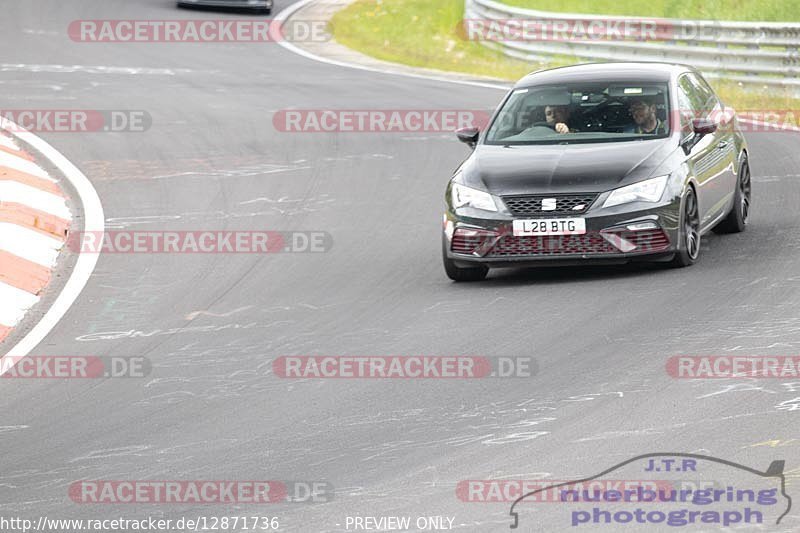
597,116
599,108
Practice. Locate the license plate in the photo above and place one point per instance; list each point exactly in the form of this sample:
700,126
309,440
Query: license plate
549,226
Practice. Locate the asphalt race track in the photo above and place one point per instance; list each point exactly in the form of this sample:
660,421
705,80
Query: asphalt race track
211,324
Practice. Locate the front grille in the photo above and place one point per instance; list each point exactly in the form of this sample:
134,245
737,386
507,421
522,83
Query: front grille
589,243
566,204
655,240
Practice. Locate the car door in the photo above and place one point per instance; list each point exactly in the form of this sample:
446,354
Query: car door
726,143
711,157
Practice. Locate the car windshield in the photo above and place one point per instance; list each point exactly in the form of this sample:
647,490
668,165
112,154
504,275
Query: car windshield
581,113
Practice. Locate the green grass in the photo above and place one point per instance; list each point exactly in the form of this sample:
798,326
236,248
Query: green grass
753,10
422,33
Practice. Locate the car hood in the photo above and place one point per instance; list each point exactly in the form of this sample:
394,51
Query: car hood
551,169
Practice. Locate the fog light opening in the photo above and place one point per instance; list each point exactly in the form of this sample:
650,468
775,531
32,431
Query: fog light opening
641,226
472,241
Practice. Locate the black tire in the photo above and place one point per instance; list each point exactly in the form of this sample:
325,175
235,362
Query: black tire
689,237
736,221
457,273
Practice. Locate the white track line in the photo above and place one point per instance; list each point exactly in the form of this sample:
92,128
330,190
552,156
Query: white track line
47,202
94,221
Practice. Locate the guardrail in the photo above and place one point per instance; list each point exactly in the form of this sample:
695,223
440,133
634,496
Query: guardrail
765,53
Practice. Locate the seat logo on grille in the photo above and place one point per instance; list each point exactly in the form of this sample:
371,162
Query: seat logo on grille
548,204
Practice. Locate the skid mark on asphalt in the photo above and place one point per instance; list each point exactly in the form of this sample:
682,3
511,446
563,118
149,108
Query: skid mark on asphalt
201,445
233,173
211,165
124,222
767,179
124,451
195,314
737,387
169,398
789,405
680,425
132,309
776,443
476,426
358,157
6,429
33,31
608,435
769,326
307,206
717,388
267,200
134,333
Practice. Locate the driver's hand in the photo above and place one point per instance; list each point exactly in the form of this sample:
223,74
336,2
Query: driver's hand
562,128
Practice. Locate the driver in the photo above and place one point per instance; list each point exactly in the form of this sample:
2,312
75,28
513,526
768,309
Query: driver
646,122
557,116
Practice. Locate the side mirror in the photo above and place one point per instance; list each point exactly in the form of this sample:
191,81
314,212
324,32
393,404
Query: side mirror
468,136
700,127
704,126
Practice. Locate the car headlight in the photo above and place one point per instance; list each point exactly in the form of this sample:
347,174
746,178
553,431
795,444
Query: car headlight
461,196
644,191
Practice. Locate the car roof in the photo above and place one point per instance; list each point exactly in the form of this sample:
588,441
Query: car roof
600,72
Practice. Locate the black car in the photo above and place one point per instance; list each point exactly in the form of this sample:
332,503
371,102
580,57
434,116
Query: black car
600,163
263,6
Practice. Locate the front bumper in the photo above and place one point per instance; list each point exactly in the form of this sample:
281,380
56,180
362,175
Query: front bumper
624,233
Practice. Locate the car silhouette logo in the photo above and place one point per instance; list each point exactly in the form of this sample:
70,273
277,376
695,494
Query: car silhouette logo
773,476
548,204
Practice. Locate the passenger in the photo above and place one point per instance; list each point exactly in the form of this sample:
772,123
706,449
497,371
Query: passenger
646,122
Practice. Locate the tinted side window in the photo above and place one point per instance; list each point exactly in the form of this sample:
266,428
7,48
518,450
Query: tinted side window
685,109
712,102
702,99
